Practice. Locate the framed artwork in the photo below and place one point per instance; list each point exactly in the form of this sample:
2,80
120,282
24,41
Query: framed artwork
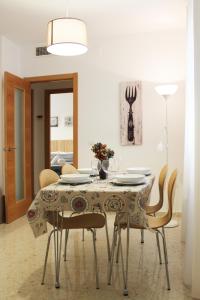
54,121
131,113
68,121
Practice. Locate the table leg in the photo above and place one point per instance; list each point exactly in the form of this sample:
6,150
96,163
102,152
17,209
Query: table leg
110,262
125,272
57,248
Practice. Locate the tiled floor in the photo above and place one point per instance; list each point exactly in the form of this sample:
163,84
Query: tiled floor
22,256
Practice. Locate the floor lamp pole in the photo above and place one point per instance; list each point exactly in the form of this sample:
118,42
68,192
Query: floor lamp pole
166,130
166,90
172,223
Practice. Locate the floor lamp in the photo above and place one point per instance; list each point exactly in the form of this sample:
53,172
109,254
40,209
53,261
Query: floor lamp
167,90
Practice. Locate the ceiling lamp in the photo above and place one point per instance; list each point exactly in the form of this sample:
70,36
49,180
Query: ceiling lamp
67,37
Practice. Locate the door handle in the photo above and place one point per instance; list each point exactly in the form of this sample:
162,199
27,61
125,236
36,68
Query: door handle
9,149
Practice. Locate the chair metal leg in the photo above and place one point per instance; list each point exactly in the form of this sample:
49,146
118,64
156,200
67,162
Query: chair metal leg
158,245
122,258
107,237
46,255
83,235
163,231
95,257
142,236
166,260
124,272
112,255
57,250
57,285
116,240
117,254
125,292
59,254
66,240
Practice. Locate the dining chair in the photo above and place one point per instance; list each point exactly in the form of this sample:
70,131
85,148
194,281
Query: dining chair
155,225
47,177
89,221
153,209
68,169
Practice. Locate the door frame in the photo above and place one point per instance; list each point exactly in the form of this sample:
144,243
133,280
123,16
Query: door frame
47,121
61,77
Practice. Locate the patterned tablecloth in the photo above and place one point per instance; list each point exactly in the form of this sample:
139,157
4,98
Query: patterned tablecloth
88,197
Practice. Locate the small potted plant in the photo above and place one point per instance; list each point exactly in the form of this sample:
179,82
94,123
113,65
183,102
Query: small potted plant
102,153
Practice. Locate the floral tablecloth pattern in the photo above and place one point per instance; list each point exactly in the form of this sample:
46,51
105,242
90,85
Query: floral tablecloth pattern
88,197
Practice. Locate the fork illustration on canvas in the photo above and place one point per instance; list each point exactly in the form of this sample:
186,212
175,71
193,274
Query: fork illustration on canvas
130,98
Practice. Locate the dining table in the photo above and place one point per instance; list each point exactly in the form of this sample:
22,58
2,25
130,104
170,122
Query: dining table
98,195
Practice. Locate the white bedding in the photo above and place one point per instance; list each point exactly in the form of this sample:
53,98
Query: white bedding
60,158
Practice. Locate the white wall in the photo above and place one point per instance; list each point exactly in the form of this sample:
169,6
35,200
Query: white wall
191,211
61,107
11,57
152,58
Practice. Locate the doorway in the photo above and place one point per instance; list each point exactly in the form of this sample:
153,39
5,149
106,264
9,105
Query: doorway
60,120
53,141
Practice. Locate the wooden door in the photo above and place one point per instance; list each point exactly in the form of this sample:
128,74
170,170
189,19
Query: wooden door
18,174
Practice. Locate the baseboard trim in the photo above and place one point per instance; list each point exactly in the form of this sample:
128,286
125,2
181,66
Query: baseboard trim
2,210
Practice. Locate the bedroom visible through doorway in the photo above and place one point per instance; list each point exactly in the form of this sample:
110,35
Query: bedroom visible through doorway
61,128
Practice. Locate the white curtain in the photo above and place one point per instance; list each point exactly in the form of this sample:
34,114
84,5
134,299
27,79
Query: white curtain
191,209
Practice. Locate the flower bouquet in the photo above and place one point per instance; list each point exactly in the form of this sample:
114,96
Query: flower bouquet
102,153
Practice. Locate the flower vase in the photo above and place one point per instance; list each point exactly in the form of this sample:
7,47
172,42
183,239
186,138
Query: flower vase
103,165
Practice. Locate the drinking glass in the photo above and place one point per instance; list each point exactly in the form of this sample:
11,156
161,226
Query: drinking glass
111,169
94,166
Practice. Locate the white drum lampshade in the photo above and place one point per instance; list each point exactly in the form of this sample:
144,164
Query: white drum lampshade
67,37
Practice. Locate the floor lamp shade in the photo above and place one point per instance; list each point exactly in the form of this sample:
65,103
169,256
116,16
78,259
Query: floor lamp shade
166,89
67,37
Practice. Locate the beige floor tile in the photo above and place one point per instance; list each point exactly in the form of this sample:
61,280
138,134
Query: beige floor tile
22,257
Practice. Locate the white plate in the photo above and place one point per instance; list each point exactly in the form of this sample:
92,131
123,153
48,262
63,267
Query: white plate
75,183
129,178
85,171
74,178
139,170
115,181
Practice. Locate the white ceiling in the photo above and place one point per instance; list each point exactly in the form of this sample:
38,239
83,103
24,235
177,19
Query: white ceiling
25,21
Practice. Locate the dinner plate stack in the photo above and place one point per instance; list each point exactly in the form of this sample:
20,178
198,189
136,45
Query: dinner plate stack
139,170
75,178
129,179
